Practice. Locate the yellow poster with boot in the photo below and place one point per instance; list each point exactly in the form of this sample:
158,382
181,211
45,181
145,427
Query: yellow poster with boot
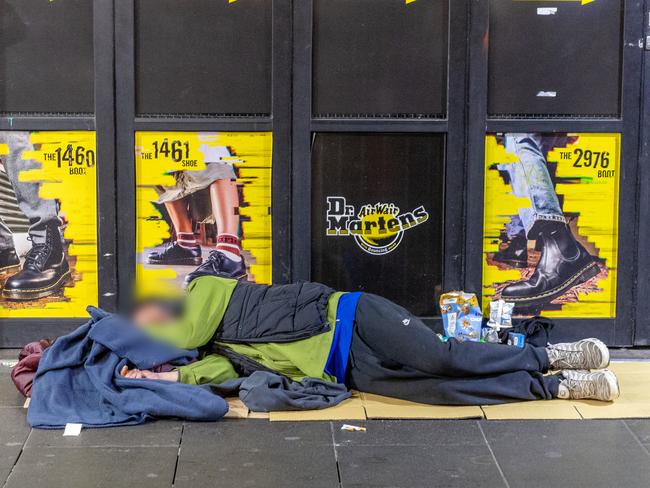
550,236
203,199
48,223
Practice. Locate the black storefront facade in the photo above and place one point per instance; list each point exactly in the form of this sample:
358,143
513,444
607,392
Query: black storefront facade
391,117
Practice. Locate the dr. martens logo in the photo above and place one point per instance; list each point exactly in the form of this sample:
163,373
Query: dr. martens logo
377,229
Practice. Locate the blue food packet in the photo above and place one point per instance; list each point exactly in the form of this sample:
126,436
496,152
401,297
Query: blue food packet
515,339
461,316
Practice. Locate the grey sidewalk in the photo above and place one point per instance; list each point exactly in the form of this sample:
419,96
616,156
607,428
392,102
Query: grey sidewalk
408,454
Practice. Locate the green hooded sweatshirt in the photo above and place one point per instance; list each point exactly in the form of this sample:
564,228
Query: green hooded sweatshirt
206,303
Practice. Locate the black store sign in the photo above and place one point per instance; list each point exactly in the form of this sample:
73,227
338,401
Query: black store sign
377,215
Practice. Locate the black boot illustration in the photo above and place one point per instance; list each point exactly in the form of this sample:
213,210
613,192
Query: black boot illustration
564,263
44,272
176,255
218,264
516,254
9,261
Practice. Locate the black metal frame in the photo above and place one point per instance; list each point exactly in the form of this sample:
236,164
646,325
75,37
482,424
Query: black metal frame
15,332
453,127
127,124
619,331
642,336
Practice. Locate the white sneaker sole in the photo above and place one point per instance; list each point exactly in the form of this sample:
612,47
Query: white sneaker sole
612,381
604,352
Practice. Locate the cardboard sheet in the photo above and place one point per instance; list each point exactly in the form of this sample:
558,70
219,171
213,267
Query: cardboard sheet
381,407
236,409
634,380
543,409
634,402
258,415
350,409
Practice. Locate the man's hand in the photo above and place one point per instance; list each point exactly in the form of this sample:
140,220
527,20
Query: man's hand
149,375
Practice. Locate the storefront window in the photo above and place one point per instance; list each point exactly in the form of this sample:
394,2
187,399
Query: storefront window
46,56
563,58
203,57
359,70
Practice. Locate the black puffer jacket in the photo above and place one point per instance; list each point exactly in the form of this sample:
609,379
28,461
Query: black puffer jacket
276,313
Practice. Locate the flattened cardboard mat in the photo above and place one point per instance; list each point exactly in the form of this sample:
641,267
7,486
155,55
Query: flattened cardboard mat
634,402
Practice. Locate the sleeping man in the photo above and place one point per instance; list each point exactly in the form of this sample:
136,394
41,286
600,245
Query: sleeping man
307,330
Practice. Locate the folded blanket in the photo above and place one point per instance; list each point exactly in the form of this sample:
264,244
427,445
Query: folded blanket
78,380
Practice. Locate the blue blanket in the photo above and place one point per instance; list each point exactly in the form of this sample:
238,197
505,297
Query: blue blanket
78,380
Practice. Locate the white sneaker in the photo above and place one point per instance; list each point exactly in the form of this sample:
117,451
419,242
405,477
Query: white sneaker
584,354
583,385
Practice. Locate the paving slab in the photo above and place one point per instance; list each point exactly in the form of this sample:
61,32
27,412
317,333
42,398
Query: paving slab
259,432
418,467
641,430
413,454
153,434
13,434
411,433
257,453
97,467
9,354
582,453
9,396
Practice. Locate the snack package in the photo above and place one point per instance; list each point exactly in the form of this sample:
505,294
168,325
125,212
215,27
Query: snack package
461,316
500,314
516,339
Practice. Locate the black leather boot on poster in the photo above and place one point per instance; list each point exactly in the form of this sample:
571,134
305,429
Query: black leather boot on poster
563,264
44,272
516,254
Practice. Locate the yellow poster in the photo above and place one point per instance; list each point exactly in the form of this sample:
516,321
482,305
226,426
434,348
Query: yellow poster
48,223
550,237
203,205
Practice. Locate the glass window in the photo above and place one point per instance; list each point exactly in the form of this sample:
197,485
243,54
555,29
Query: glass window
555,58
46,56
203,57
360,70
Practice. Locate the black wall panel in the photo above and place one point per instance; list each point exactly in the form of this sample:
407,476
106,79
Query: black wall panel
46,56
555,58
406,170
203,57
361,70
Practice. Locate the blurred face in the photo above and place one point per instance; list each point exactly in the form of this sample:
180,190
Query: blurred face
152,314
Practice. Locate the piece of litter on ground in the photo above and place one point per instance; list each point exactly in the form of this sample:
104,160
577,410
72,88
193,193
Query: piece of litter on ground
72,429
26,404
353,428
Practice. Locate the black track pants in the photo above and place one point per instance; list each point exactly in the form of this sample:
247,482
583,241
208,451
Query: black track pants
395,354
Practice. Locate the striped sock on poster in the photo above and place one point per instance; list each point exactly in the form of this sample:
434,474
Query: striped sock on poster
230,246
186,240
